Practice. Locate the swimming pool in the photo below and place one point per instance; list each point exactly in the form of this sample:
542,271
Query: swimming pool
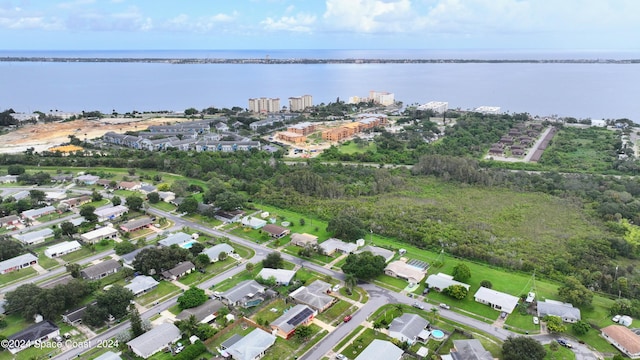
437,334
188,244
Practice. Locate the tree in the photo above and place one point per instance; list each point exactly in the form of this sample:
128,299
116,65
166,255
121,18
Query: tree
124,247
223,256
95,316
522,348
350,281
156,260
249,267
96,196
116,200
458,292
196,248
205,331
37,196
273,261
68,228
136,322
16,303
134,202
189,205
88,212
581,327
486,283
153,197
461,272
364,266
74,270
15,170
434,314
347,227
201,261
229,201
554,324
192,298
115,301
572,291
188,326
9,249
303,333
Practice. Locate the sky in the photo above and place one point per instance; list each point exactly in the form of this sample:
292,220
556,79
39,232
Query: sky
319,24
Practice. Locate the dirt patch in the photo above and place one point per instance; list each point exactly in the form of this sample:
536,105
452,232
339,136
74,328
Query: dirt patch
43,136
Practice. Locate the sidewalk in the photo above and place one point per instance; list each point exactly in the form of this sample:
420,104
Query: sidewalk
39,269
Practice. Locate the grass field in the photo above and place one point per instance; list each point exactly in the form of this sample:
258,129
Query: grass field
350,147
562,353
17,275
164,289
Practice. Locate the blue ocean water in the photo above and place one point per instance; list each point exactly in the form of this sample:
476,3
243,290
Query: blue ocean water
594,90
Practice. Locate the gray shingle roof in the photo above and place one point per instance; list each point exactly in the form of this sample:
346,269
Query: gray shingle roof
210,307
252,345
35,331
108,356
293,317
377,347
17,261
314,295
442,281
556,308
243,289
175,239
128,258
214,252
409,325
470,350
179,269
155,339
34,236
140,284
95,271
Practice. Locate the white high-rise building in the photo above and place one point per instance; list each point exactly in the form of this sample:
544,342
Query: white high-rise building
437,106
264,105
382,97
300,103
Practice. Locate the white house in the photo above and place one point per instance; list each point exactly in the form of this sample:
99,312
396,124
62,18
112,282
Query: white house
17,263
282,276
214,252
62,248
154,340
497,300
97,235
440,281
253,222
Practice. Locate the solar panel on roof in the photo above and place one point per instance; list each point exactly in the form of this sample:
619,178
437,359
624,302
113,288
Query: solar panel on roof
418,264
300,317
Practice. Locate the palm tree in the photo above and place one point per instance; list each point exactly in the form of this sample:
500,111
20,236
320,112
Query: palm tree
350,281
434,313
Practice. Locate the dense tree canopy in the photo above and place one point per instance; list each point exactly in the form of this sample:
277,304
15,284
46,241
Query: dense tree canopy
572,291
273,260
522,348
364,265
9,249
156,260
461,272
192,298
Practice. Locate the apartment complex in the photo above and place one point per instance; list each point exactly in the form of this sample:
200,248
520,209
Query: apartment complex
362,122
300,103
264,105
436,106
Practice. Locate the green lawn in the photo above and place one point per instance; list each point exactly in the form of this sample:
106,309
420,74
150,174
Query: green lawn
233,329
350,147
561,354
77,255
164,206
311,225
15,323
234,280
267,314
213,269
337,311
287,349
46,262
348,338
17,275
522,322
361,343
164,289
390,282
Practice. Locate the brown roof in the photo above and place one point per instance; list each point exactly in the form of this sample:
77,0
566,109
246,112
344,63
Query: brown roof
623,336
274,229
128,184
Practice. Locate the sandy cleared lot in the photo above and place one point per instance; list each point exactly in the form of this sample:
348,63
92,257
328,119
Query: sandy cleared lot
43,136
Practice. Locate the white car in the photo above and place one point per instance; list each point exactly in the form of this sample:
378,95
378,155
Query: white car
536,321
341,357
335,288
616,318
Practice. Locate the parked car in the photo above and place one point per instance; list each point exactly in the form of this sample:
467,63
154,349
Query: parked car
335,288
536,321
616,318
445,306
341,357
347,318
503,315
564,343
418,305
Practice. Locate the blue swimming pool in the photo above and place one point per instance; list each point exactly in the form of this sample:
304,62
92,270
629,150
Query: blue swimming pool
188,245
437,334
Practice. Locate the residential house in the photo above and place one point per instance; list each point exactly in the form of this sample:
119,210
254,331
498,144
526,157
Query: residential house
403,270
147,189
625,320
624,339
110,212
440,281
304,239
42,331
214,252
386,254
409,328
471,349
178,238
74,317
127,259
253,222
100,270
166,196
52,196
247,293
179,271
17,263
87,179
378,347
565,311
276,231
141,284
97,235
62,178
34,237
62,248
77,221
8,179
497,300
109,355
75,202
10,220
282,276
229,217
332,245
154,340
204,313
315,296
250,347
129,185
299,315
36,213
136,224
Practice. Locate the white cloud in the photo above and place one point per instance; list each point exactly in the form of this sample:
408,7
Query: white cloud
298,23
74,4
30,23
371,16
184,22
